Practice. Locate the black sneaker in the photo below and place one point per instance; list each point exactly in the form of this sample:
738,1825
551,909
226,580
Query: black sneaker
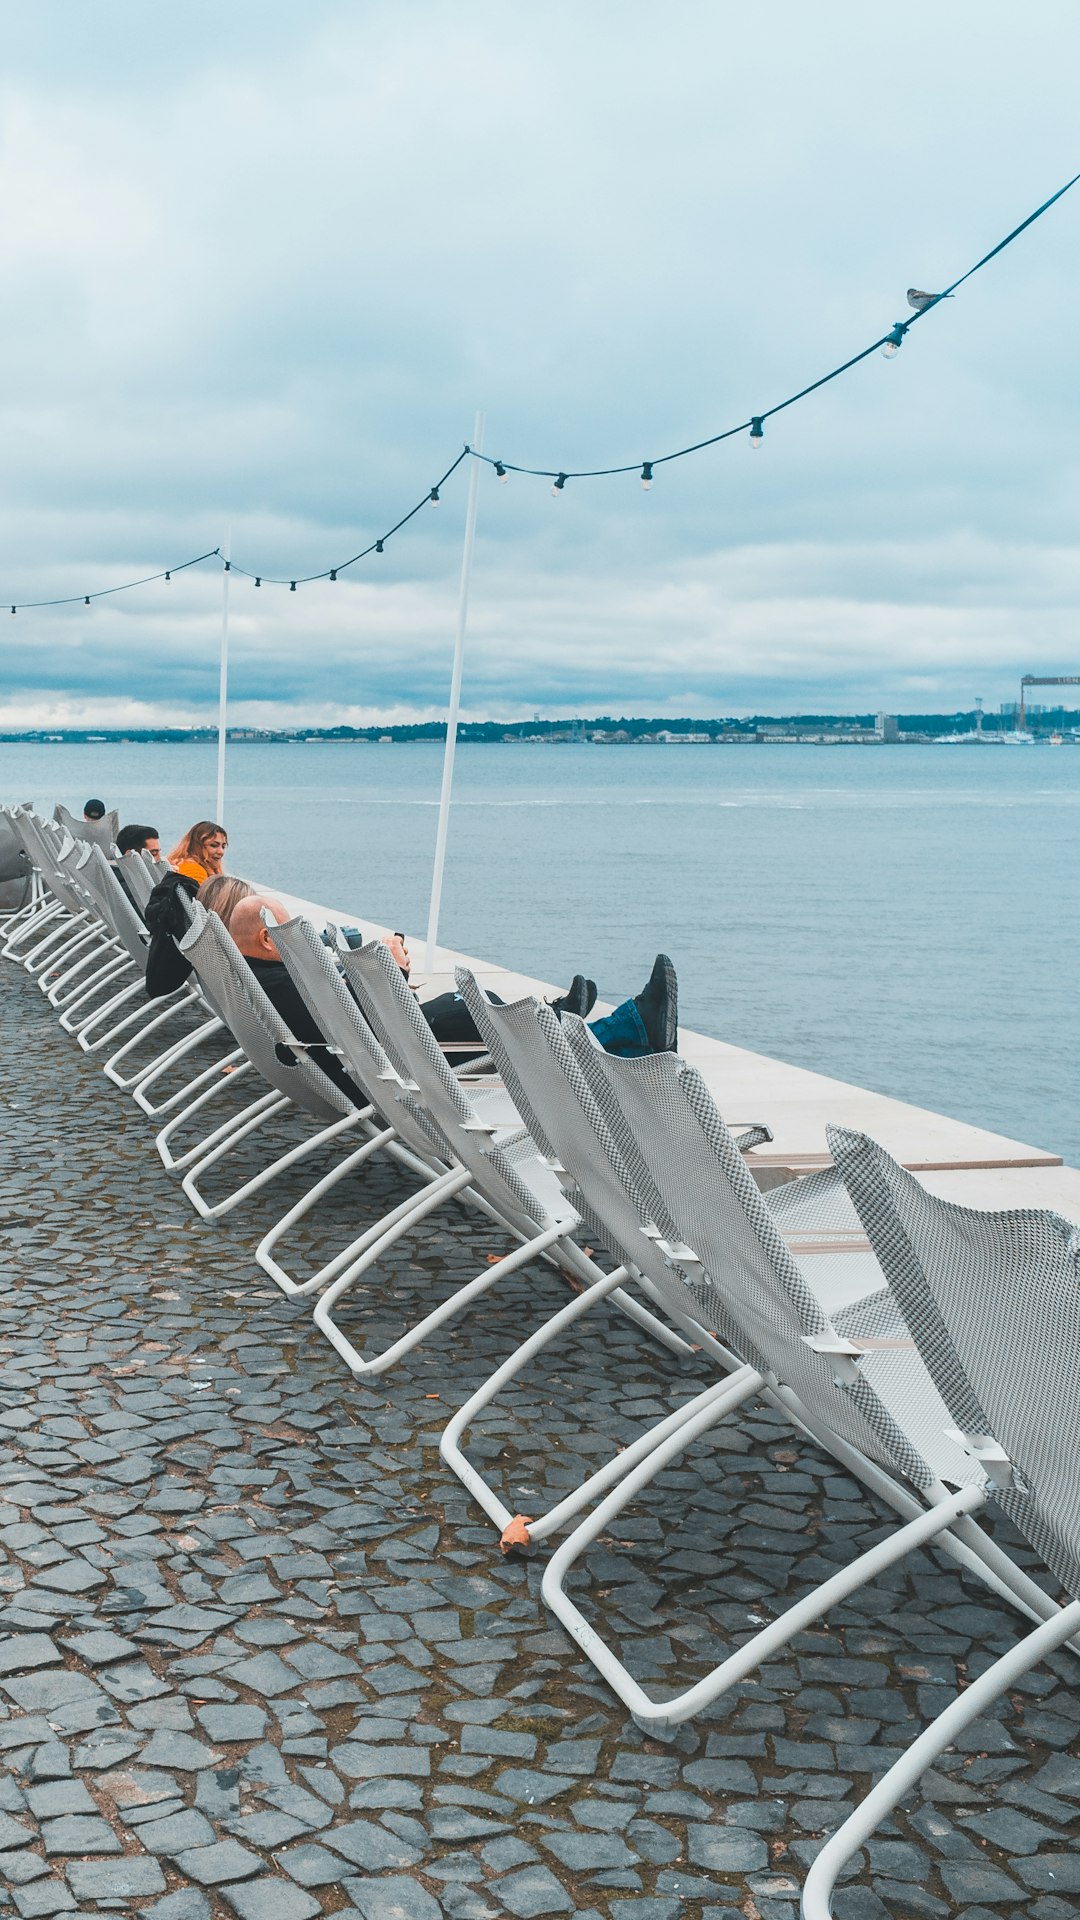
658,1005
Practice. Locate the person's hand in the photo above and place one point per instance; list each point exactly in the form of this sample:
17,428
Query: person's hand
396,944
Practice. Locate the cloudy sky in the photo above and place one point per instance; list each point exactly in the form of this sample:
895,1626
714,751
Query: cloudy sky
263,261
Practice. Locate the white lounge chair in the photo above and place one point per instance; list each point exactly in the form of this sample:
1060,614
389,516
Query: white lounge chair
992,1300
489,1159
832,1351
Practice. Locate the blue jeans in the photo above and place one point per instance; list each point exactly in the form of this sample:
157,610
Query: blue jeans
622,1031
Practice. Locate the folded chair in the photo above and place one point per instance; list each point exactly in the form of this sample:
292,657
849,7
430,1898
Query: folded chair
289,1079
492,1162
528,1045
992,1301
836,1355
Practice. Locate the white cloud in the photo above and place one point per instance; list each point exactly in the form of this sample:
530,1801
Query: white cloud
261,264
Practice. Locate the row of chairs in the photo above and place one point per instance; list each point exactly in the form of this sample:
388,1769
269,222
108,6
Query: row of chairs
931,1349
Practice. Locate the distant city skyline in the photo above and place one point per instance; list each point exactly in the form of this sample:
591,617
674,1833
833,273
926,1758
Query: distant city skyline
263,263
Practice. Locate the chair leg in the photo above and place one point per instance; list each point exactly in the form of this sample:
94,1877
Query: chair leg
517,1529
179,1050
256,1109
215,1210
403,1219
26,924
73,1019
661,1717
905,1772
127,1081
264,1250
965,1542
136,1024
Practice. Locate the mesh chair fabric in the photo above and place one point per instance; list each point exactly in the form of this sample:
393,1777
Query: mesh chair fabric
97,876
44,846
993,1302
397,1018
98,833
253,1022
527,1038
138,878
338,1017
14,859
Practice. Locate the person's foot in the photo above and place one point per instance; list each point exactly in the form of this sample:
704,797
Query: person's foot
658,1005
575,999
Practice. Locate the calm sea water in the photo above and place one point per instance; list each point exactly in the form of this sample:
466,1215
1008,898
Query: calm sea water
907,918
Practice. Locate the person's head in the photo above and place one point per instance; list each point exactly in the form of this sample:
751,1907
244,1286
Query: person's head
249,930
139,840
94,810
222,894
205,842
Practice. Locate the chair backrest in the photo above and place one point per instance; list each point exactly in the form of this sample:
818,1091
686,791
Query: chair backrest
254,1023
99,833
138,877
51,851
14,859
94,872
339,1019
993,1303
666,1122
528,1045
395,1014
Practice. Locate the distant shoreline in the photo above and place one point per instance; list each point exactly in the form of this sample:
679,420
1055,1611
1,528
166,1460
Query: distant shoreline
817,729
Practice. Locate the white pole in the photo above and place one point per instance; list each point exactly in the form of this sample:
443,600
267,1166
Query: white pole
477,443
223,679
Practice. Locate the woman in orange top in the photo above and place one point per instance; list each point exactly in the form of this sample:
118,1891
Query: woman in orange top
201,851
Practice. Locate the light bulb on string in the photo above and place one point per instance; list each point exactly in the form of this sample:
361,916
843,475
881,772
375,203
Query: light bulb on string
646,475
757,431
501,470
434,496
333,573
378,546
292,586
258,579
893,342
560,482
168,576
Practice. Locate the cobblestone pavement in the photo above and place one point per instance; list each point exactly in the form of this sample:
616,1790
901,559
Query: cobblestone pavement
260,1658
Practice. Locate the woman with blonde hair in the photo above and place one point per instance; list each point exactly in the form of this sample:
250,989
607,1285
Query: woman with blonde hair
201,851
222,894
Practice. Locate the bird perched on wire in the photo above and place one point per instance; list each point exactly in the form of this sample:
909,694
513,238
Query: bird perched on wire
920,301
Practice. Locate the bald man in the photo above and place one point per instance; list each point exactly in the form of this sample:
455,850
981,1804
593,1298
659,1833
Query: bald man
256,943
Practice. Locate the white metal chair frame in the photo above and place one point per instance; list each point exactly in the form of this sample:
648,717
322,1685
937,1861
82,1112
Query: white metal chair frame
831,1396
484,1168
1010,1376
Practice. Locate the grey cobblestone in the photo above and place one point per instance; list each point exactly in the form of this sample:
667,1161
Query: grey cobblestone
259,1656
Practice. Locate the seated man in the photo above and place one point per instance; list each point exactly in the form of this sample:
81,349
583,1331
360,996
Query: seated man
139,840
646,1024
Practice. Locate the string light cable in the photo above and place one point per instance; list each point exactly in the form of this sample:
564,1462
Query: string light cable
888,343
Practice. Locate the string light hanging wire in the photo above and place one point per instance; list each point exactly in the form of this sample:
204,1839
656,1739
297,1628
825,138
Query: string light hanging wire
70,599
429,499
888,343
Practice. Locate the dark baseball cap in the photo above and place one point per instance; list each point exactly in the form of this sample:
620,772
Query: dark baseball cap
94,810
